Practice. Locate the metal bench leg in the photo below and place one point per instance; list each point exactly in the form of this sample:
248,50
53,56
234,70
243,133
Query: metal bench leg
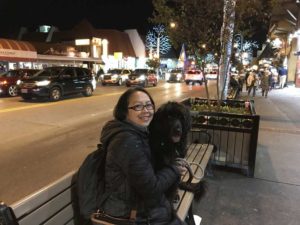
209,170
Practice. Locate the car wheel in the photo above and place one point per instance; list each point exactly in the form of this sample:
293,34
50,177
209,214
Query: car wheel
127,85
13,91
187,82
88,91
26,97
103,84
55,94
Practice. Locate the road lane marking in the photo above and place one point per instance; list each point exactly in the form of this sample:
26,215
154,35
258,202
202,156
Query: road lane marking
18,108
52,103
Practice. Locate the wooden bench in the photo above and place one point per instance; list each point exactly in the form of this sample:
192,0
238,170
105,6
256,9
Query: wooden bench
198,153
54,204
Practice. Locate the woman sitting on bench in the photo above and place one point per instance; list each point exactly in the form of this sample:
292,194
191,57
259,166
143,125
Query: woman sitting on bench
129,174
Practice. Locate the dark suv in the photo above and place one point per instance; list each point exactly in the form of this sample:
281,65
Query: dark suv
8,80
55,82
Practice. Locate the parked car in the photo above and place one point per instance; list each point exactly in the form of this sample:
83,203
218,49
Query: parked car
55,82
143,77
175,75
8,80
194,76
99,75
115,76
211,75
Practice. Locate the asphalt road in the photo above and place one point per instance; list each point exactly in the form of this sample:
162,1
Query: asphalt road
42,141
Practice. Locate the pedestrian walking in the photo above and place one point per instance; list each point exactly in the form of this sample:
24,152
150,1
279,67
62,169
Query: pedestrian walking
265,79
252,82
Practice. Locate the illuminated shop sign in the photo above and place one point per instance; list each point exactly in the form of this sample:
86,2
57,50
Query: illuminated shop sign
17,54
82,42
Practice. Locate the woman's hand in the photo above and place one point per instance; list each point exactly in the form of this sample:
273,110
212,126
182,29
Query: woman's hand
182,170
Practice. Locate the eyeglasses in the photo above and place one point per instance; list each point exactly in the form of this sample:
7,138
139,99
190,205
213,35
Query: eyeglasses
140,107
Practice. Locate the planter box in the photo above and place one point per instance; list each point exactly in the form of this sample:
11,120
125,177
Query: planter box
234,131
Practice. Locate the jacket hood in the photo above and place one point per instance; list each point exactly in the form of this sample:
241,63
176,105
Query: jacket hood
114,126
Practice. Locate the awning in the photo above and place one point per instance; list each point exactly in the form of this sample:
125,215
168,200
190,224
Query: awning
12,50
57,58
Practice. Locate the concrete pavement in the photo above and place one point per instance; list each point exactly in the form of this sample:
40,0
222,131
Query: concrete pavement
272,197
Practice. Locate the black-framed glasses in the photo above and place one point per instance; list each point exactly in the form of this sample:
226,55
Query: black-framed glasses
140,107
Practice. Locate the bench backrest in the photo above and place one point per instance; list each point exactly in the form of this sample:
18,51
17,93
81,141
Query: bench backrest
52,205
56,204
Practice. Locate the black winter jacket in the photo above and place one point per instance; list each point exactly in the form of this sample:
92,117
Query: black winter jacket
129,175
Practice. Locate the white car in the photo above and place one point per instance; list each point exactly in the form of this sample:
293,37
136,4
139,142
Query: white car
194,76
115,76
211,75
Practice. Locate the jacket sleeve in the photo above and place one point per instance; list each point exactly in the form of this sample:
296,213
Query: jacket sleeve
130,154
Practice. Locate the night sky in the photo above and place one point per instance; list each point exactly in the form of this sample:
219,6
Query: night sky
103,14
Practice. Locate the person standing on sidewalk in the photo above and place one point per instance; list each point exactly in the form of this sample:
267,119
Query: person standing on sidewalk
252,82
282,72
265,82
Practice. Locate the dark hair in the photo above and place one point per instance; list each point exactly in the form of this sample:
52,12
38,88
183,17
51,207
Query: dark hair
121,108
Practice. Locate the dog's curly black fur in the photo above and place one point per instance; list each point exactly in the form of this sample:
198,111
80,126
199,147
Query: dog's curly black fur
172,119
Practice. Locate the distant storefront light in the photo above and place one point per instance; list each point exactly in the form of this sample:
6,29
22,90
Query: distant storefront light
104,48
82,42
44,28
96,41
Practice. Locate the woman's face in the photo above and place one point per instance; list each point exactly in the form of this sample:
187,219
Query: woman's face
140,109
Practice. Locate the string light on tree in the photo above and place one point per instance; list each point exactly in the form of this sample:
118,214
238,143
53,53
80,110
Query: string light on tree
156,39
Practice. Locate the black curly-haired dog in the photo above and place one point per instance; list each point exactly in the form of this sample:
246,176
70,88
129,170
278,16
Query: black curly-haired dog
168,140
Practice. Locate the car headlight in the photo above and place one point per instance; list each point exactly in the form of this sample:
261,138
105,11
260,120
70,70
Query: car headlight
143,77
19,82
42,83
179,75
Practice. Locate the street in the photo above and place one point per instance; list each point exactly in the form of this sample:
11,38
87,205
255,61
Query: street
41,141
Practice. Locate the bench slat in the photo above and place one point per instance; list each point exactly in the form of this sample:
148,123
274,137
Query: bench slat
49,209
62,217
27,204
185,204
70,223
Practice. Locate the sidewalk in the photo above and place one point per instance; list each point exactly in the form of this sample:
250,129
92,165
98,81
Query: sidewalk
272,197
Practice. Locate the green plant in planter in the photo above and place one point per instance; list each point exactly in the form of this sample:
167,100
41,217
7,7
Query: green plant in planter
236,109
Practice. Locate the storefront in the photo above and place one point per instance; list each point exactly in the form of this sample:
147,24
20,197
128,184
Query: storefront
16,54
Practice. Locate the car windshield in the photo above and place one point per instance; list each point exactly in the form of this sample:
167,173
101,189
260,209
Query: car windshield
49,72
193,72
140,71
115,71
10,73
176,71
